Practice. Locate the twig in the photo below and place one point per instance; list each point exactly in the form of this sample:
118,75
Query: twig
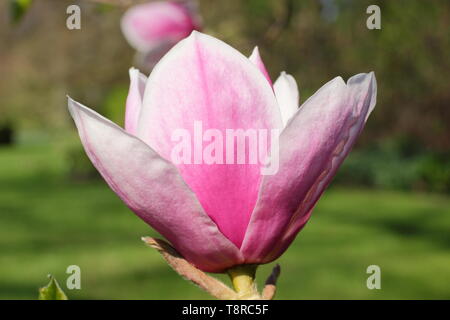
270,287
211,285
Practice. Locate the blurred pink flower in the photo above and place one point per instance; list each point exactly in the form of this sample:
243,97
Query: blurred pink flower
153,28
221,215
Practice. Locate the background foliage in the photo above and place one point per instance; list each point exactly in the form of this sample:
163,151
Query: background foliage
388,205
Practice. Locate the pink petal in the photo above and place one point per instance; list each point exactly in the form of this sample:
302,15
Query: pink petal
286,91
153,189
312,147
204,79
256,59
148,25
134,100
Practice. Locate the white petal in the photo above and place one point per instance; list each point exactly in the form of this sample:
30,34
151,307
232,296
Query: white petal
286,92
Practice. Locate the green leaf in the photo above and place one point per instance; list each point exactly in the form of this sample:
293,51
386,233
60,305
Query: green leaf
52,291
18,8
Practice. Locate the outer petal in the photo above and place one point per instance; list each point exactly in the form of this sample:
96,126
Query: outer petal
148,25
203,80
312,147
134,100
256,59
286,91
153,189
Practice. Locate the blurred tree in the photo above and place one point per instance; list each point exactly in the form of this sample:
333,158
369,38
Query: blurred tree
314,40
18,8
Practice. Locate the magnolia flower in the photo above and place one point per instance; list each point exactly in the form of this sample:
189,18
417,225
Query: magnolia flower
153,28
220,216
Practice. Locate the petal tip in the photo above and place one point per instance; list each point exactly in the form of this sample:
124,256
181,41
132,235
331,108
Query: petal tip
361,78
79,111
373,78
195,35
71,105
339,79
132,70
135,73
255,52
367,84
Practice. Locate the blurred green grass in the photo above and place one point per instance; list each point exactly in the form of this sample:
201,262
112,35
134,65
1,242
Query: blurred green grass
48,223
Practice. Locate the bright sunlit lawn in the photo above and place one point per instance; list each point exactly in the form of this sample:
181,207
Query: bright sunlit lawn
48,223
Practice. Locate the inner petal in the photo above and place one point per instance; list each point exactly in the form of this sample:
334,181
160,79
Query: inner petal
200,93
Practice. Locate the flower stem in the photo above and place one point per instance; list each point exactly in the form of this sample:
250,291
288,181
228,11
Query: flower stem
243,279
